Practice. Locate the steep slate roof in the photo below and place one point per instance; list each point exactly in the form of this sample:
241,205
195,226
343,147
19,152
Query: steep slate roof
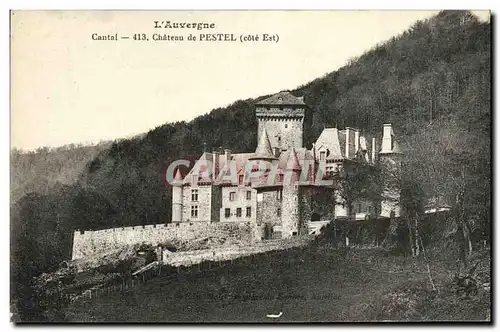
240,160
334,140
282,98
264,150
331,139
177,177
300,156
293,161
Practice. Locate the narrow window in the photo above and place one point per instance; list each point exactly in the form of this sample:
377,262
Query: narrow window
279,195
194,211
278,212
322,155
249,195
249,212
286,125
240,178
194,195
232,195
238,212
227,212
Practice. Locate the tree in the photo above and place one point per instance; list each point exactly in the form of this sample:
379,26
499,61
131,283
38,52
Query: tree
357,181
447,161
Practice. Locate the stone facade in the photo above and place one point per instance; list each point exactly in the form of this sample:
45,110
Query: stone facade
197,203
286,119
287,132
238,204
269,211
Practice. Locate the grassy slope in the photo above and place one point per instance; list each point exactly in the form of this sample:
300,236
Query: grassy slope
313,284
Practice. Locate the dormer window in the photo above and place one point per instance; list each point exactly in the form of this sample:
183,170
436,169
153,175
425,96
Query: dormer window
280,98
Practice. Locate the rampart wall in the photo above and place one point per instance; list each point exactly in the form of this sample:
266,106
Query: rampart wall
101,242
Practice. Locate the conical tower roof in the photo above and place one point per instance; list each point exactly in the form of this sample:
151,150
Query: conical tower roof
264,150
177,177
293,162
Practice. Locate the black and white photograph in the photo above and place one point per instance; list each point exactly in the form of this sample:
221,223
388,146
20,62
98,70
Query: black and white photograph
250,166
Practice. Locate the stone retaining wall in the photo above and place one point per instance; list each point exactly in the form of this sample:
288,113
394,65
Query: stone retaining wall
92,243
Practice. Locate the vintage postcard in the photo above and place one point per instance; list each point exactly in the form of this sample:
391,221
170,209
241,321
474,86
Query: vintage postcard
250,166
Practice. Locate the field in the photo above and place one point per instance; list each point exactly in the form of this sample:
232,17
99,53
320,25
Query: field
316,283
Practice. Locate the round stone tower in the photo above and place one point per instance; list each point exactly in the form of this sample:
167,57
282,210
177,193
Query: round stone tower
177,197
290,217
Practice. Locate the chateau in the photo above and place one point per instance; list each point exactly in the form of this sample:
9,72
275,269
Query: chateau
282,187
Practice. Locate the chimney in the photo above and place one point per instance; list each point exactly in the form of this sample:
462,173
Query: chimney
374,150
227,155
347,132
349,141
356,141
387,139
215,165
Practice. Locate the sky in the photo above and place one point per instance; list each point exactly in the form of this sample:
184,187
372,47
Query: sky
68,88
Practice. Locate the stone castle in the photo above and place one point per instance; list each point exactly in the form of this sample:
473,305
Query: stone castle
282,188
